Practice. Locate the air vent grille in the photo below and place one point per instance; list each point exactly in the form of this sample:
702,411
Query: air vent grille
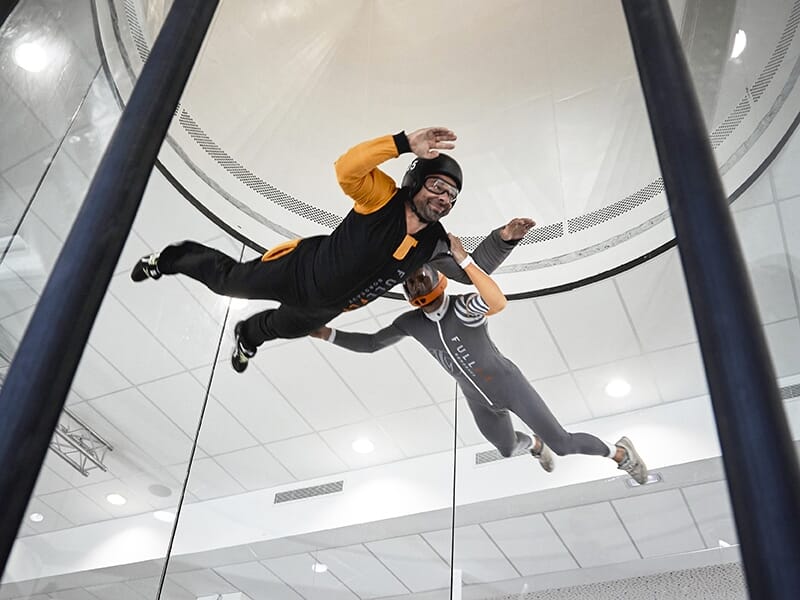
309,492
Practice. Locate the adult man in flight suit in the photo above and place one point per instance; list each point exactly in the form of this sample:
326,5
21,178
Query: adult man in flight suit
389,233
454,330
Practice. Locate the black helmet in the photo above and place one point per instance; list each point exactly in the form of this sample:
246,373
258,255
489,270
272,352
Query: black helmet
421,168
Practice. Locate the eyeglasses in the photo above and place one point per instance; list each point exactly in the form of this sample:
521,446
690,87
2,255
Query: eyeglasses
439,186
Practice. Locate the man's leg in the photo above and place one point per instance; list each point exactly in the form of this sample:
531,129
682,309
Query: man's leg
529,406
284,322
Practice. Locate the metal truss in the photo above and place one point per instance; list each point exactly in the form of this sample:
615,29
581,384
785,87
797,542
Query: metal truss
79,445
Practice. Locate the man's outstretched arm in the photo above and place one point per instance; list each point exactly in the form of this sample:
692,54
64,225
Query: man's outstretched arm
357,169
361,342
490,253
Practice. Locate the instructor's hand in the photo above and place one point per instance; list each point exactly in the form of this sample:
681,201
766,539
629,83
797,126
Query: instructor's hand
457,248
322,333
516,229
427,142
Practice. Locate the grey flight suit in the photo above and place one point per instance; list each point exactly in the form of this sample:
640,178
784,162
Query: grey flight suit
457,336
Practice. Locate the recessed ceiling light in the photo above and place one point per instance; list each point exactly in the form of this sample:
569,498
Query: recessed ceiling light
164,516
723,544
30,56
651,478
739,44
319,567
618,388
239,303
363,446
36,517
116,499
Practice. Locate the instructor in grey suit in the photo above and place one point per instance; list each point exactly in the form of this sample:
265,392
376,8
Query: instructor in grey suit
454,330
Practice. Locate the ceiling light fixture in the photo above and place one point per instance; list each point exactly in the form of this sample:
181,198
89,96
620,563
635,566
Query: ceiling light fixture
319,567
36,517
618,388
30,56
723,544
363,446
116,499
651,478
739,44
164,516
239,303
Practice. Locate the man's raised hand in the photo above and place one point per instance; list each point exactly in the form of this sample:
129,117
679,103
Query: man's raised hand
427,142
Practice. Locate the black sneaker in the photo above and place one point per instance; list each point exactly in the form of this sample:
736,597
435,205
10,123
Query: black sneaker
146,267
241,352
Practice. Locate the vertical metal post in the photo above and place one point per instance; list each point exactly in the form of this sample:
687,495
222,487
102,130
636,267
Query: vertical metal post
6,8
42,371
758,454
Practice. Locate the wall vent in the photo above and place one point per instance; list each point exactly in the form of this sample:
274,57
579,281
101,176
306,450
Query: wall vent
790,391
487,456
309,492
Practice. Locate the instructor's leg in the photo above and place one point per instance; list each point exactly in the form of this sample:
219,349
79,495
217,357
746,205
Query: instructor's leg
496,427
530,407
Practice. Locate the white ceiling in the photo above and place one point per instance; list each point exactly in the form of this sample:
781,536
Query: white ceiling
291,418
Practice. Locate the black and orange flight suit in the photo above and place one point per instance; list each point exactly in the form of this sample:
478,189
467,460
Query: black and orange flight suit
317,278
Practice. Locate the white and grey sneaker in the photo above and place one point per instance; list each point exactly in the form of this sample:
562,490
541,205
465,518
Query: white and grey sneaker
146,267
632,463
544,455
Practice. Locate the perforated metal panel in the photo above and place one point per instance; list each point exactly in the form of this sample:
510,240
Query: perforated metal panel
309,492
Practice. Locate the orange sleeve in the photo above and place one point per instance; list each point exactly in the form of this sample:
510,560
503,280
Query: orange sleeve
487,288
359,176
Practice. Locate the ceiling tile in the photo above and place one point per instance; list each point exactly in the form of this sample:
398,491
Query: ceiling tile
783,341
658,303
136,502
33,252
208,480
636,371
358,569
761,240
711,508
25,129
475,554
419,431
530,544
76,507
296,572
341,439
257,582
679,372
758,194
254,468
146,426
413,562
512,331
115,591
659,523
96,376
382,381
203,583
790,220
15,294
310,395
49,481
53,520
168,311
60,195
142,357
593,534
563,398
590,325
307,457
255,403
149,589
181,398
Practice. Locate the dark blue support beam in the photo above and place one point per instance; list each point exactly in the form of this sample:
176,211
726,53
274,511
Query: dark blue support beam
757,450
42,371
6,8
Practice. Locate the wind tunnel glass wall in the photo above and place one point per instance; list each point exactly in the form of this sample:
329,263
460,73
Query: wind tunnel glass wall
620,357
101,513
